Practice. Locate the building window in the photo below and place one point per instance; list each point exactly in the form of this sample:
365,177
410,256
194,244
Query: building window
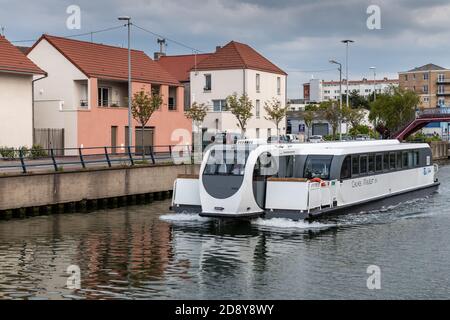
425,89
219,105
441,102
425,76
414,76
278,85
257,133
258,82
269,133
406,77
103,97
207,82
441,77
258,109
172,105
426,99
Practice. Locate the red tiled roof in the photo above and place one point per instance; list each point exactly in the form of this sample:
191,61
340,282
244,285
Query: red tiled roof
13,60
180,66
237,55
109,62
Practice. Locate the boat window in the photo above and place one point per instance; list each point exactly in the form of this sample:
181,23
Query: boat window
416,158
386,161
399,160
371,163
286,167
355,165
318,167
266,166
346,168
363,164
405,159
392,161
227,161
379,162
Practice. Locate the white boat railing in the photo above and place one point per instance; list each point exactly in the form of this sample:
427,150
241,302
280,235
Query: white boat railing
321,194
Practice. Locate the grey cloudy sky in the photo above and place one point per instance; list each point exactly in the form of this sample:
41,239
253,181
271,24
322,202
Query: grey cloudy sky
300,36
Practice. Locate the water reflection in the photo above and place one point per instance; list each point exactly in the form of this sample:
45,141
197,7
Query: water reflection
142,253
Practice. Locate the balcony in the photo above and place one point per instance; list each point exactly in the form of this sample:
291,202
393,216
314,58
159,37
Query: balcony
443,81
443,94
112,103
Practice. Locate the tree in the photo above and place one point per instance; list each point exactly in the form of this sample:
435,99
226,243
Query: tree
308,117
142,109
357,101
352,116
332,113
275,112
241,108
391,111
197,113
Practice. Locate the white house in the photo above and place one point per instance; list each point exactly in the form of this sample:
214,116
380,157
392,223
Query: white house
238,68
16,96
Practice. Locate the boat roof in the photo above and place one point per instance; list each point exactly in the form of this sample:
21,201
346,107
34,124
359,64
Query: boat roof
342,148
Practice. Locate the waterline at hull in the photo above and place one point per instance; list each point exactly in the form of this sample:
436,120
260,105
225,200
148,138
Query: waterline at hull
373,204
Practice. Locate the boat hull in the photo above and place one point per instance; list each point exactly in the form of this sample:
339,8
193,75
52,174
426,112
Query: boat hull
373,204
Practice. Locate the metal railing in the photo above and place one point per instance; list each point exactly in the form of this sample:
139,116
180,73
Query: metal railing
24,160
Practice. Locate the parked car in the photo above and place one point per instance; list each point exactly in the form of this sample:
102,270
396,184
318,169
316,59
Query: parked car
346,137
293,138
280,139
362,137
315,139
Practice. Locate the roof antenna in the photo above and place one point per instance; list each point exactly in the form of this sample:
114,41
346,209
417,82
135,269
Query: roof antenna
2,33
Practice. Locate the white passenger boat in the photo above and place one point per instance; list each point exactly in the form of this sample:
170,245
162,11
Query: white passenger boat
301,181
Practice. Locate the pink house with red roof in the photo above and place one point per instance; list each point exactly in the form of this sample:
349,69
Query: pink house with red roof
16,99
86,94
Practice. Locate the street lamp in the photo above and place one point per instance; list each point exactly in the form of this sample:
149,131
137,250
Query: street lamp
374,82
346,63
340,95
130,124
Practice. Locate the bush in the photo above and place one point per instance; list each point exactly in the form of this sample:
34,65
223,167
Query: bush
37,152
7,153
421,137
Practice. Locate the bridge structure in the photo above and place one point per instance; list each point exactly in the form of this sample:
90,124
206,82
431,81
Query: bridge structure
423,118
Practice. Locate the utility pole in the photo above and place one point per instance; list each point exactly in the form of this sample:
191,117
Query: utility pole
130,123
340,96
346,65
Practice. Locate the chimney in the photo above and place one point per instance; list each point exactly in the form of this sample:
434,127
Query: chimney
162,44
218,47
158,55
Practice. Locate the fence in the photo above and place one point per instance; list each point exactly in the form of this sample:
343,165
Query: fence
50,138
23,159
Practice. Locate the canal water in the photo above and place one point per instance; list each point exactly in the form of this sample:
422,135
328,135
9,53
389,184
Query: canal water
143,252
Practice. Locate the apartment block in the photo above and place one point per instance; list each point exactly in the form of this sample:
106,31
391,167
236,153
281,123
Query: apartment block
431,82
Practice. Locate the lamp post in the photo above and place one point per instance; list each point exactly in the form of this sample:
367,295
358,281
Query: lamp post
130,124
374,82
346,64
340,95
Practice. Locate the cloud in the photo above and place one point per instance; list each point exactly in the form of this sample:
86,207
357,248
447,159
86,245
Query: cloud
296,35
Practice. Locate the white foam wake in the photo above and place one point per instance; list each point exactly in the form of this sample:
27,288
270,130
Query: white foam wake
183,217
283,223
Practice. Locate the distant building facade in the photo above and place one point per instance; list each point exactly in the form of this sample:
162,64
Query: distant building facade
431,82
319,90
